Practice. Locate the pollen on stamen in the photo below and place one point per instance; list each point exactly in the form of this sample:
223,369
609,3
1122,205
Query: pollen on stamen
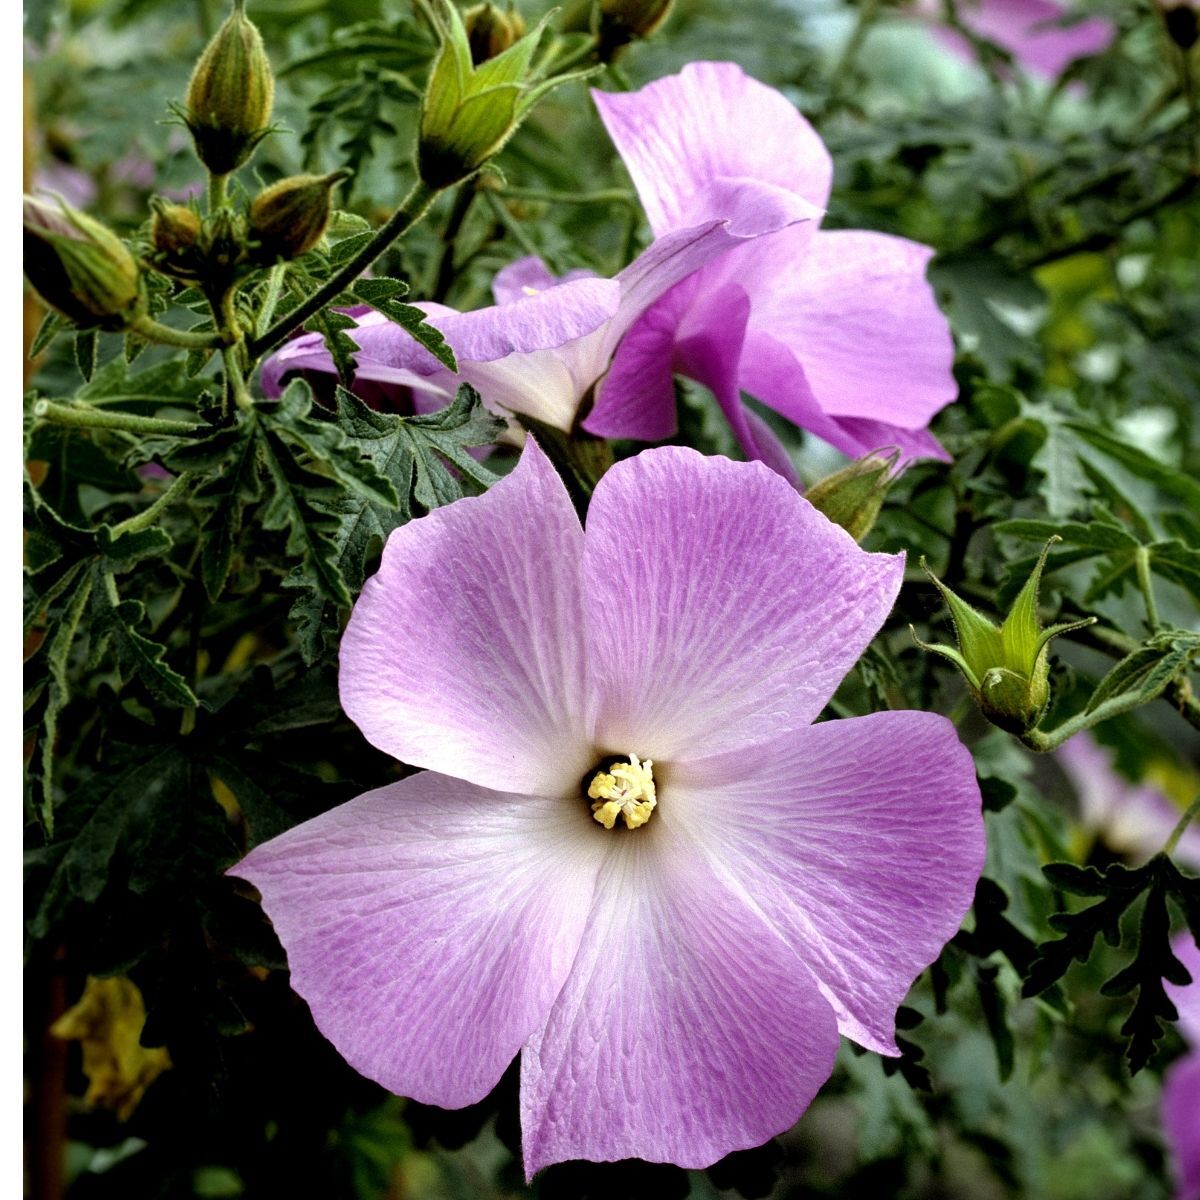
624,790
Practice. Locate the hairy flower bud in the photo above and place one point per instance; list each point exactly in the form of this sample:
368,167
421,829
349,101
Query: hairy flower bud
491,31
231,94
1007,667
468,111
853,496
79,266
624,21
174,228
288,218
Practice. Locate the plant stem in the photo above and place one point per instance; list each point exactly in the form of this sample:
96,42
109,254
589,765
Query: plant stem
218,192
1035,739
153,331
180,487
463,200
270,298
604,196
513,226
1142,560
414,206
1188,817
868,12
85,417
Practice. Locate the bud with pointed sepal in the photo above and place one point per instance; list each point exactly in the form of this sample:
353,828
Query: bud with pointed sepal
853,496
491,31
1007,667
468,111
174,238
80,267
625,21
231,94
288,218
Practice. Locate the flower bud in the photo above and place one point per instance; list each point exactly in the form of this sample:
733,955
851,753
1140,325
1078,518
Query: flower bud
1006,667
469,112
80,267
853,496
1183,25
174,228
222,247
490,31
231,94
625,21
288,218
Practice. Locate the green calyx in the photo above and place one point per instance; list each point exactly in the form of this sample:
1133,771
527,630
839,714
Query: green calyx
853,496
468,111
625,21
1006,666
80,267
231,95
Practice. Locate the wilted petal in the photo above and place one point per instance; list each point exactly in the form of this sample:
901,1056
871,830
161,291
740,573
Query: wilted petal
723,609
464,653
685,137
861,840
857,312
686,1029
430,925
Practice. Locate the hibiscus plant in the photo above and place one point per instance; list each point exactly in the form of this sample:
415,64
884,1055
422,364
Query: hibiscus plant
612,598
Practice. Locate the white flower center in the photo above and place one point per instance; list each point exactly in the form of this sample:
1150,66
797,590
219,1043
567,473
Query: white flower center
625,790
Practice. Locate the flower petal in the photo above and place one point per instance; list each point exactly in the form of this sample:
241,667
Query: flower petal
686,1029
464,654
857,312
723,609
430,925
860,840
1181,1123
530,274
684,136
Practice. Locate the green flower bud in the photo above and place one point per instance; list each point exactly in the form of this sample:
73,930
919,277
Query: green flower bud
1006,667
80,267
491,31
231,94
625,21
469,112
174,229
853,496
1183,25
288,218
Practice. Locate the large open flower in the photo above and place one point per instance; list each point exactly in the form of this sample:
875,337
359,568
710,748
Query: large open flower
631,856
836,330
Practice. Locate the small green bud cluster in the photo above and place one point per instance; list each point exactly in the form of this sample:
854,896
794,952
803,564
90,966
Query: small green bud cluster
470,110
1007,667
231,94
80,267
853,496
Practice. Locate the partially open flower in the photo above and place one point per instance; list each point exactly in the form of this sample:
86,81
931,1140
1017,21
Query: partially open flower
79,266
1007,667
631,855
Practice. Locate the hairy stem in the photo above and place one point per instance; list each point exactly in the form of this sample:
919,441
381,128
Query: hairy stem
83,416
1146,584
164,335
415,205
1188,817
179,488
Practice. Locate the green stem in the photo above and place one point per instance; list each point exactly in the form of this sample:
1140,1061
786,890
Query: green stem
1188,817
415,205
868,12
604,196
218,192
513,226
153,331
85,417
585,54
463,199
1142,560
1035,739
179,488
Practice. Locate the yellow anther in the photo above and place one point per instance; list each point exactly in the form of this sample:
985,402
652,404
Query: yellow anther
625,790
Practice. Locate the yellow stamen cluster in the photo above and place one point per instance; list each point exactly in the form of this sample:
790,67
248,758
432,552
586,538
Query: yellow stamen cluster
625,790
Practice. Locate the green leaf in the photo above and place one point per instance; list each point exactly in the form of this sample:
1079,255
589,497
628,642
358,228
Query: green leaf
383,295
412,454
1148,669
230,491
87,342
52,325
332,326
115,622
